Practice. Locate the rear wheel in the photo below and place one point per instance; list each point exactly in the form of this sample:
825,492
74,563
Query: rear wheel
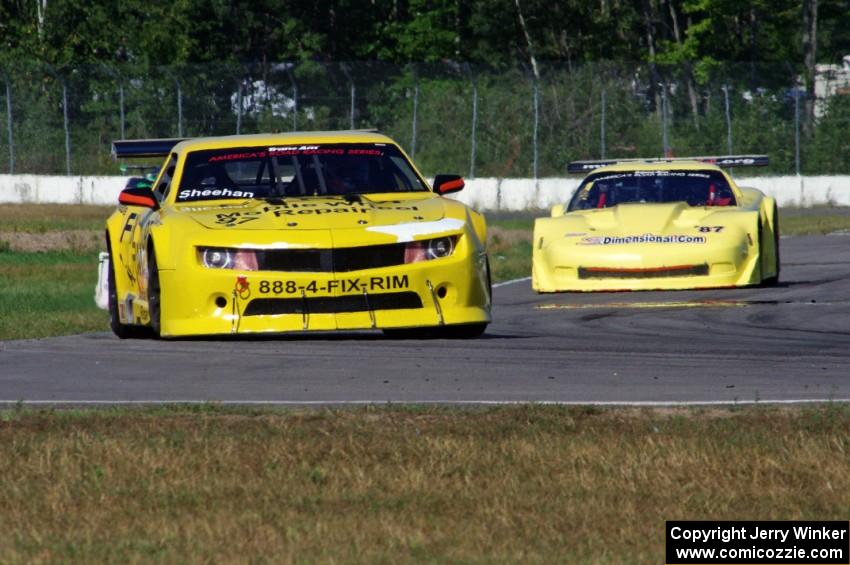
773,280
489,282
154,293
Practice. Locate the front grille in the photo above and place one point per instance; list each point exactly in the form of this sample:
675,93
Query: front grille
340,260
652,273
333,304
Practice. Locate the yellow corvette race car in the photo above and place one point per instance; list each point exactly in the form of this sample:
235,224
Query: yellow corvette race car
292,232
658,224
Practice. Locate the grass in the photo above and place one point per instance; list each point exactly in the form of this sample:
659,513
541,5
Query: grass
42,218
394,485
791,224
50,293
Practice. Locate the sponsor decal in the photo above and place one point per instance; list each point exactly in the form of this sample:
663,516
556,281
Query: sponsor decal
128,225
323,150
189,194
355,285
235,156
645,238
230,219
634,174
336,207
575,234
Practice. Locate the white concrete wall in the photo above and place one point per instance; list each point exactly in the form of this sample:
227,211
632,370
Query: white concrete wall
22,189
521,194
482,193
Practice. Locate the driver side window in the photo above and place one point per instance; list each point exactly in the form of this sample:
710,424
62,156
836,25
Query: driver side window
164,185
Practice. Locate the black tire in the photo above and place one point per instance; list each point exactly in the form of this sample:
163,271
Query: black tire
455,331
154,293
772,281
462,331
123,331
489,281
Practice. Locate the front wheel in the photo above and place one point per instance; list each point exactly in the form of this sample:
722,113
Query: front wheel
123,331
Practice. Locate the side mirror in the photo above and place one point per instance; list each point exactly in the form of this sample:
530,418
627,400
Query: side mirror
557,210
446,184
138,196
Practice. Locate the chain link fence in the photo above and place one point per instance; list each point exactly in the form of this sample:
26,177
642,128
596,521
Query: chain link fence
450,117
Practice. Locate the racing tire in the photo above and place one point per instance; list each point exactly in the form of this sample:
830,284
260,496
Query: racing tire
455,331
489,282
772,281
123,331
154,294
462,331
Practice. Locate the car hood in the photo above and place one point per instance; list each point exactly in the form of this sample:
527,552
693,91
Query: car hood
319,213
639,219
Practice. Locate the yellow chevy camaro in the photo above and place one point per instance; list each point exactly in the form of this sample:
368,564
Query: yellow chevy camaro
309,231
658,224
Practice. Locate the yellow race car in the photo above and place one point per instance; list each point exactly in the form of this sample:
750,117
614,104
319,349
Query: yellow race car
292,232
658,224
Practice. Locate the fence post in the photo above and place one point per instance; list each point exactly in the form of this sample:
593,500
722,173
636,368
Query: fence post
56,75
239,107
665,145
415,112
796,92
9,124
294,99
179,108
536,123
602,126
728,119
474,120
347,74
67,128
121,103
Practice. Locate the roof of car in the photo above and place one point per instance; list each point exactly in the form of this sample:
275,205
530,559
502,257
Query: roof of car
290,138
677,165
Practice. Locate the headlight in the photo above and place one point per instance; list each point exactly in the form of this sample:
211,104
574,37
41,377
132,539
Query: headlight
438,248
223,258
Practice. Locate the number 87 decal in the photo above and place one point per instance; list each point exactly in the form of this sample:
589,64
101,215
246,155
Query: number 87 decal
710,229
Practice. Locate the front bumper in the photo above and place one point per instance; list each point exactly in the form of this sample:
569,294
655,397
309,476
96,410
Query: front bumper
573,268
201,301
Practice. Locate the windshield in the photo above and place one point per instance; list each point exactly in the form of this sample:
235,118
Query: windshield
696,188
296,170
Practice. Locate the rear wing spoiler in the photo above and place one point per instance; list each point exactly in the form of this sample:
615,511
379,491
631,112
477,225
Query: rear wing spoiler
578,167
143,148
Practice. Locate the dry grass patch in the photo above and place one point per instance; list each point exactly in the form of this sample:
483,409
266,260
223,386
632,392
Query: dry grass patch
40,218
69,240
519,484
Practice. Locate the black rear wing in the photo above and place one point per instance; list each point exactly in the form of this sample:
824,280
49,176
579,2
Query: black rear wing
726,161
143,148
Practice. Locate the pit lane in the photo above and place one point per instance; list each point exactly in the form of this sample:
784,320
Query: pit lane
789,343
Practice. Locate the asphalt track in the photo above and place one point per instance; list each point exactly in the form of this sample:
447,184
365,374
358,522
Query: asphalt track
789,343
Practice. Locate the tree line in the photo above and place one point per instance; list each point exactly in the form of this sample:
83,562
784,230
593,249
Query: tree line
491,32
601,66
